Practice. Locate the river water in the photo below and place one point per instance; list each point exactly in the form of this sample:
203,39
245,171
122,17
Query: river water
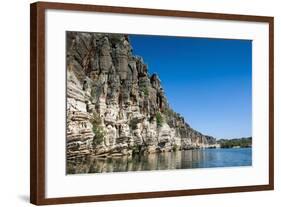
200,158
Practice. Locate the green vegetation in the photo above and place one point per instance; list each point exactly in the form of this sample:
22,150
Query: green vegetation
133,124
145,91
136,149
159,119
175,147
238,142
97,129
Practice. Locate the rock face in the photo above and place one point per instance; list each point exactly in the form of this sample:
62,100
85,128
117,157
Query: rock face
114,106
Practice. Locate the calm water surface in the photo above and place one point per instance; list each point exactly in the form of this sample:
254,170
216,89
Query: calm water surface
201,158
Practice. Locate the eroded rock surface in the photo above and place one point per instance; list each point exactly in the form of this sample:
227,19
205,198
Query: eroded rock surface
114,106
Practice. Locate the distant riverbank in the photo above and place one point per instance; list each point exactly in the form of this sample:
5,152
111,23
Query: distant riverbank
244,142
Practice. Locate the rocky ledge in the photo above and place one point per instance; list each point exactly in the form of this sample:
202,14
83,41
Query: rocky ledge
114,106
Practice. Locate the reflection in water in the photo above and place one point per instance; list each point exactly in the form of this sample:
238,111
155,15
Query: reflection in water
201,158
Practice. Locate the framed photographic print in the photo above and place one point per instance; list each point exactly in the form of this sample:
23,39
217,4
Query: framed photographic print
130,103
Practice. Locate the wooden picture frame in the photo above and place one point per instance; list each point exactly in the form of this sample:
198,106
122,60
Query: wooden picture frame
38,98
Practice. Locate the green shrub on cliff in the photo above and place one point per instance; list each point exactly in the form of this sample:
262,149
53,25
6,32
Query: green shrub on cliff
145,90
133,124
159,119
97,130
99,135
175,147
95,119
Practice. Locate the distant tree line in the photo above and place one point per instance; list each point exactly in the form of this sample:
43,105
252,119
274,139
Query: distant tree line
237,142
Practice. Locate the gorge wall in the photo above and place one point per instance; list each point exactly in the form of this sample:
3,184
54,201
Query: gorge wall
114,106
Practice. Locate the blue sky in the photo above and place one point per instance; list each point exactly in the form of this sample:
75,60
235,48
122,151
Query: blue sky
208,81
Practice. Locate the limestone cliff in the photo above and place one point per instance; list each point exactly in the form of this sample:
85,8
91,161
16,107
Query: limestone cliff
114,106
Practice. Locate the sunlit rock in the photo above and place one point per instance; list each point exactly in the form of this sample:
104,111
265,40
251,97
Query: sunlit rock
115,107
